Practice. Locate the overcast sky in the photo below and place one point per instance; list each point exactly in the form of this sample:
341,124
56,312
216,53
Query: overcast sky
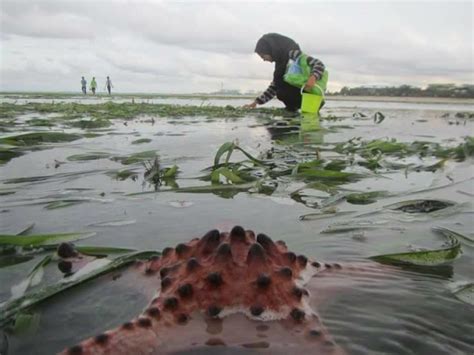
197,46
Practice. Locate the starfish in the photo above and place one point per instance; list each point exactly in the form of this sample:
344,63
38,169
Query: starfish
244,288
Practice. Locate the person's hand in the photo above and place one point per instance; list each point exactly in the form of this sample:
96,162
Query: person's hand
310,83
252,105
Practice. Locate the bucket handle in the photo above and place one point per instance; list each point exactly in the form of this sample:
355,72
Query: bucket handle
319,87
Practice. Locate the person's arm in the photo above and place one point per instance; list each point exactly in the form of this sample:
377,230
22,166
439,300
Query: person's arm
267,95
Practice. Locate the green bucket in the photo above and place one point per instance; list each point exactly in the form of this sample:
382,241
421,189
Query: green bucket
310,103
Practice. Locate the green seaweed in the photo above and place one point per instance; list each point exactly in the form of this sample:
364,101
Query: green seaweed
8,154
30,139
40,122
90,124
327,175
229,175
157,175
136,157
38,240
123,174
380,147
364,198
170,172
26,230
88,156
101,251
9,260
62,203
228,148
227,190
350,226
22,304
141,141
26,323
127,110
33,278
425,257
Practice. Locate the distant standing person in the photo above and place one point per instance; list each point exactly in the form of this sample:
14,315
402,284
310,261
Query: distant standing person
84,85
93,85
108,84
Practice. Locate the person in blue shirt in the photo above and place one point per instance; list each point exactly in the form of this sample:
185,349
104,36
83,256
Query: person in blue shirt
84,85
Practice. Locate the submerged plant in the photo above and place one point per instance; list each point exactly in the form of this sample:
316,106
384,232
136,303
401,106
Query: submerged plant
90,124
228,148
123,174
141,141
88,156
157,175
420,206
379,147
136,157
364,198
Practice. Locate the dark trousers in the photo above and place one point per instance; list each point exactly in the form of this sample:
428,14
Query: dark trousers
84,90
290,96
108,88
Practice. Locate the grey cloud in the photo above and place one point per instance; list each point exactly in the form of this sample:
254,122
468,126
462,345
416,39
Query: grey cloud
152,59
214,41
36,22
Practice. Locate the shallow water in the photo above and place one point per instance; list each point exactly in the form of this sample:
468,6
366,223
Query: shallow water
409,312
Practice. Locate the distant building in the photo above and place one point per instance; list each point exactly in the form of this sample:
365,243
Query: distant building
227,92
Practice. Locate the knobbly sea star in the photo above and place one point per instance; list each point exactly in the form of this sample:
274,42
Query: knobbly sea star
241,285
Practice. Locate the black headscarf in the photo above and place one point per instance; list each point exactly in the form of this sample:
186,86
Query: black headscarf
277,46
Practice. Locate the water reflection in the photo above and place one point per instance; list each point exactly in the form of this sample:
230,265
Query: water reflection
306,129
310,129
362,319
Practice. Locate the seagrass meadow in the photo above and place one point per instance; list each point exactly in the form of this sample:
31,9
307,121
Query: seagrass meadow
390,183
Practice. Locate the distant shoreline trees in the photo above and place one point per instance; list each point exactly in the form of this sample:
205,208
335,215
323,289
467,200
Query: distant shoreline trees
432,90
